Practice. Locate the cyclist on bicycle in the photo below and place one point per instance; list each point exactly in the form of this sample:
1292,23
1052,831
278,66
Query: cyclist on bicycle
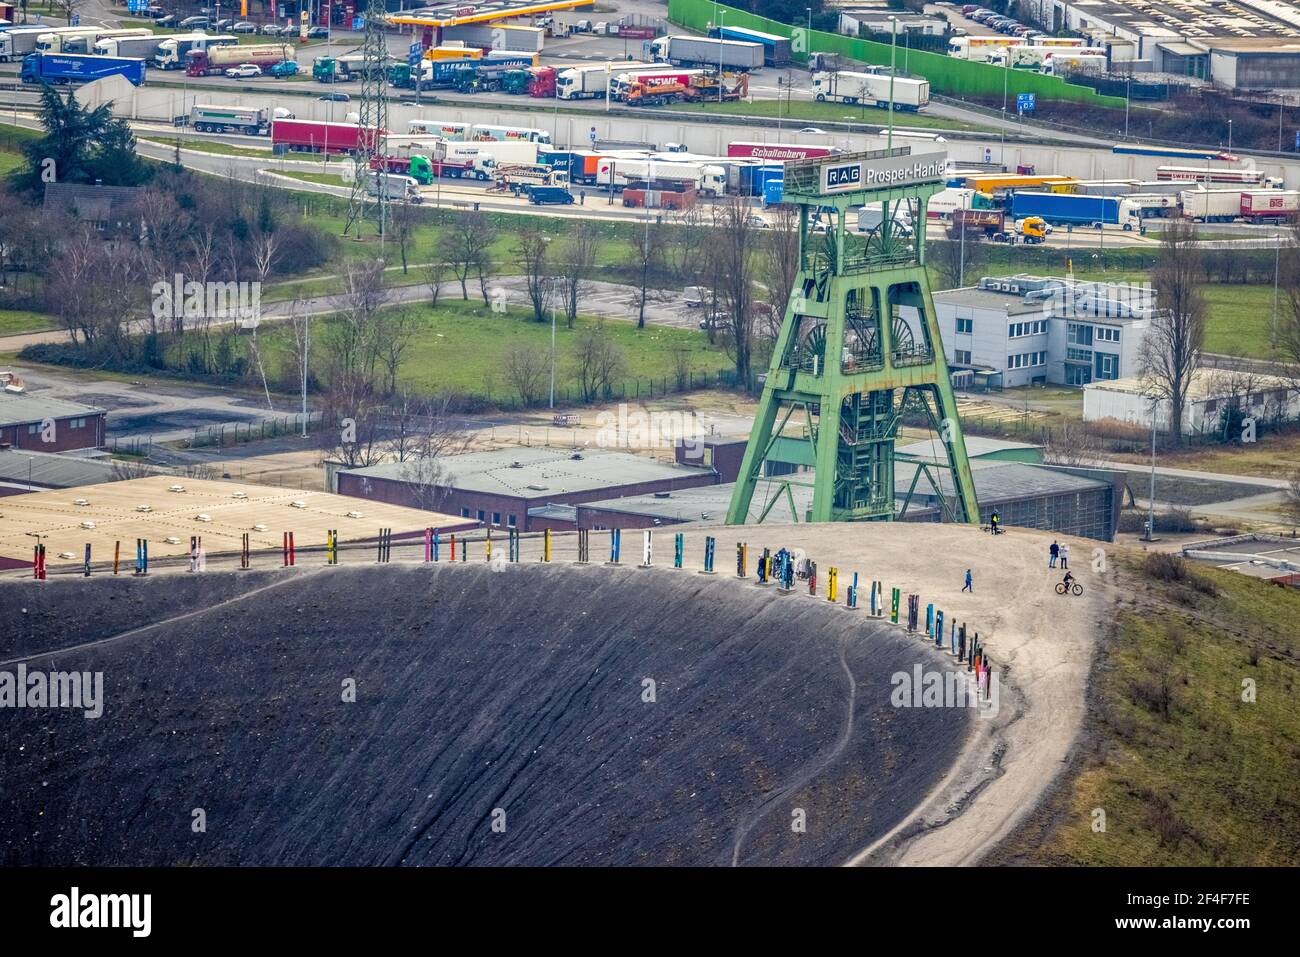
1068,580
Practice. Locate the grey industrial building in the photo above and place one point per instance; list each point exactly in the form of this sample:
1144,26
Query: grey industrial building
1080,502
506,487
1235,44
1024,330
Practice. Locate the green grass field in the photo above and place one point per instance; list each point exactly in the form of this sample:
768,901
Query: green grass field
836,113
15,322
208,146
461,346
1187,772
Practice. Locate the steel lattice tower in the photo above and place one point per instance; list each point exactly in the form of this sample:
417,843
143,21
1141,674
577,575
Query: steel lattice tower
858,351
373,111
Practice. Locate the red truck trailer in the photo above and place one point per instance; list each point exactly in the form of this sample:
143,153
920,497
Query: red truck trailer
312,136
777,151
1269,205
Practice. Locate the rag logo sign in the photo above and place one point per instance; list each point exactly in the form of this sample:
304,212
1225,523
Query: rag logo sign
842,177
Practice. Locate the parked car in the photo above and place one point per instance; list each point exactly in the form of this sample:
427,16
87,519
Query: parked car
335,97
269,29
969,8
813,130
194,23
244,70
318,33
289,30
224,24
166,20
284,68
243,26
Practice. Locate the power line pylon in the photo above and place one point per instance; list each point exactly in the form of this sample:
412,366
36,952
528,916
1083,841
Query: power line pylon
859,350
373,110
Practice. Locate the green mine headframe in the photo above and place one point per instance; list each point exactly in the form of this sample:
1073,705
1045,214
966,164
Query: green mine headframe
859,349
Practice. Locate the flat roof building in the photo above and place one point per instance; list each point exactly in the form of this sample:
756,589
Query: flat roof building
502,487
49,425
1027,330
1269,399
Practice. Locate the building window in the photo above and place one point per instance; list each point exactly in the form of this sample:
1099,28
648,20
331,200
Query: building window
33,428
464,513
1107,334
961,356
1107,366
496,518
511,521
965,326
482,516
1078,334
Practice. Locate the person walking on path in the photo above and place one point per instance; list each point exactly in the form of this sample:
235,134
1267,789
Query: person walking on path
1065,555
968,586
1055,550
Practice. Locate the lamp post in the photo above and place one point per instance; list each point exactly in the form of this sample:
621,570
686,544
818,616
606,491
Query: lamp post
1229,136
1151,502
893,48
722,22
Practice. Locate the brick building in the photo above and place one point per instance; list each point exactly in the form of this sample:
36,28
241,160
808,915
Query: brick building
43,424
510,488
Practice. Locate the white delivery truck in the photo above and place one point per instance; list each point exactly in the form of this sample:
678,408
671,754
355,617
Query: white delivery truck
589,82
617,173
874,89
394,186
703,51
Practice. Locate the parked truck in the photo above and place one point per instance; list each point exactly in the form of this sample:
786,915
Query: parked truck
64,68
144,46
873,89
170,52
249,120
1063,62
1210,205
86,42
315,136
943,204
617,173
1062,209
776,49
589,82
700,51
393,186
1269,205
215,60
417,167
17,42
997,225
496,36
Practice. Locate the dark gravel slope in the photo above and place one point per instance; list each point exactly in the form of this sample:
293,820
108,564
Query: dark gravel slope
520,691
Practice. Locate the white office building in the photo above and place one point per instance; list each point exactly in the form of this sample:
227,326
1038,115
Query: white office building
1024,330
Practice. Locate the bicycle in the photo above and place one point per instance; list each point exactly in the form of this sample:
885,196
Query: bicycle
1075,588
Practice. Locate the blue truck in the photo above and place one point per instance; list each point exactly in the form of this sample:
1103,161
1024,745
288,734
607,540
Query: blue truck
62,68
1075,209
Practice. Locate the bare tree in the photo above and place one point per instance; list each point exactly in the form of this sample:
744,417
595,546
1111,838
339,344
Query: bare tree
781,265
682,355
597,361
66,8
402,220
1291,503
526,370
1074,447
579,259
264,245
396,329
1171,352
734,248
465,245
530,251
434,439
353,346
647,263
954,259
202,258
